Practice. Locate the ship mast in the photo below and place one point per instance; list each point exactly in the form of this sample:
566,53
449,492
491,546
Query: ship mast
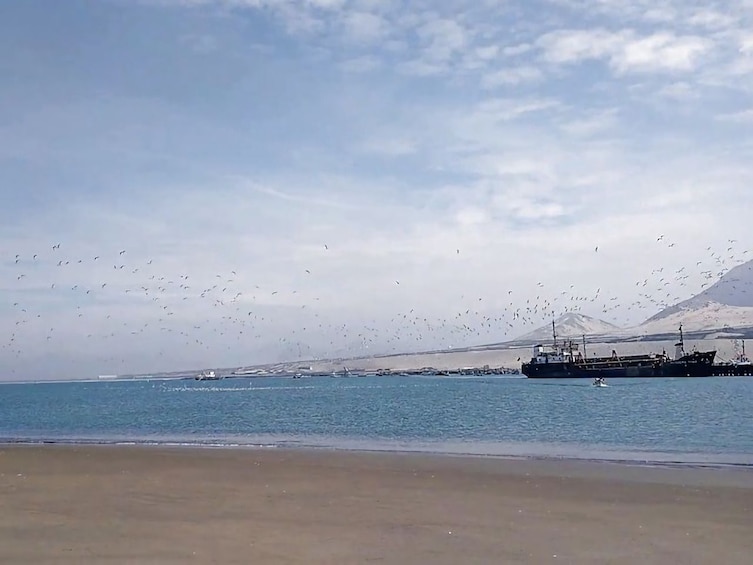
680,346
585,357
554,335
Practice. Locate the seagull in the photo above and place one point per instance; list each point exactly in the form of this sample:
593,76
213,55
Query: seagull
121,253
325,246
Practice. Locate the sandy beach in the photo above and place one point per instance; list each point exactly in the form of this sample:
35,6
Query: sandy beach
107,504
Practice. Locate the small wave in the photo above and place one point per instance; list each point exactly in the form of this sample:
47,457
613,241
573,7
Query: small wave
472,449
233,389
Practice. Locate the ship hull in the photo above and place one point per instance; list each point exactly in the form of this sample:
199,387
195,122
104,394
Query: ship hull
694,365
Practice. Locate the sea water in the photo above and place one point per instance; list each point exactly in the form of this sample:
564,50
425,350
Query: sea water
656,421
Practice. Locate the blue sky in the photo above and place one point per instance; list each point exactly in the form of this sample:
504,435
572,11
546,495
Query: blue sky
343,177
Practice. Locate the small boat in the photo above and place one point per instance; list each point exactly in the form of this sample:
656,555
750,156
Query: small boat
208,376
600,382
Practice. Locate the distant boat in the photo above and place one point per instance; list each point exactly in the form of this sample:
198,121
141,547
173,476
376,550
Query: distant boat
208,376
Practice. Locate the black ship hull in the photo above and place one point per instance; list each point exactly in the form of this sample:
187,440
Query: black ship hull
733,370
696,364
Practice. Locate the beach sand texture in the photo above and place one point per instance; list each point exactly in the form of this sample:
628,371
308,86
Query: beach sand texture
107,504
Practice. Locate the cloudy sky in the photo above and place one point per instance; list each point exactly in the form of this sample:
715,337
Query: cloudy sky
198,183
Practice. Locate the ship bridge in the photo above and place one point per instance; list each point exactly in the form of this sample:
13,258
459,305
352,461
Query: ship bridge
556,354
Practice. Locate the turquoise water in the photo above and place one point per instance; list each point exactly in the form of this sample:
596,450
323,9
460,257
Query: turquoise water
663,421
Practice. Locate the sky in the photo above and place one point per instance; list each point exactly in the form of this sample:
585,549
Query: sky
216,183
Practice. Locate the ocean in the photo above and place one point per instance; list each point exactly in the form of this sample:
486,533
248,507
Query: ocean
686,422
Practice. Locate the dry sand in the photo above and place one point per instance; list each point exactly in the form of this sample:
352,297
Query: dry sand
67,504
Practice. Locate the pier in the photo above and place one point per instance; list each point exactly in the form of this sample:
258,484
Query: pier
732,370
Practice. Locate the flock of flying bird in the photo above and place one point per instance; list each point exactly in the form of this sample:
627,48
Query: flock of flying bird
54,305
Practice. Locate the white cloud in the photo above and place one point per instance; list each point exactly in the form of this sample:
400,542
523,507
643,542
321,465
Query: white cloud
624,50
442,39
746,45
511,76
661,51
488,52
515,50
742,117
571,46
391,146
680,90
711,19
364,27
363,64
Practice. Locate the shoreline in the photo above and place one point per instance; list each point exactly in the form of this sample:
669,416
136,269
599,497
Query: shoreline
164,505
554,453
659,471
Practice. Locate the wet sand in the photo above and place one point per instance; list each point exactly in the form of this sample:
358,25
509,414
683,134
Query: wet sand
106,504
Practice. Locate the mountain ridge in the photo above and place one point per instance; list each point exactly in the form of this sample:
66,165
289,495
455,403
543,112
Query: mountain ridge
725,309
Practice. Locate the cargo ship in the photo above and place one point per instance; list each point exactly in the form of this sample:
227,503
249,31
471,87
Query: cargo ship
565,360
